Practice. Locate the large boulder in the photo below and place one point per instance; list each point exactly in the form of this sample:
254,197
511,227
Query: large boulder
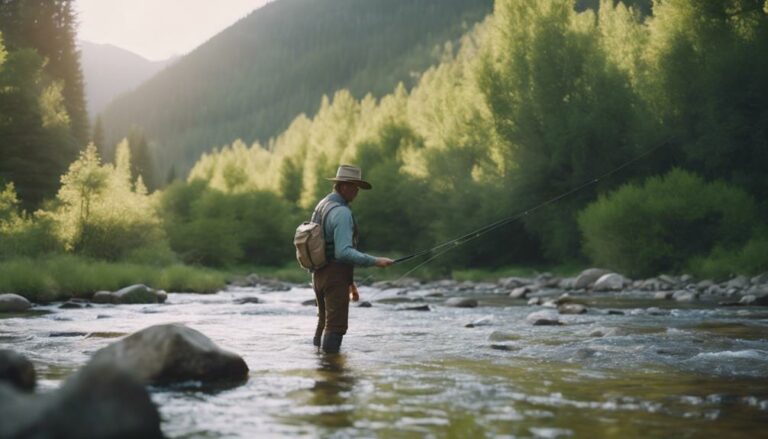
99,401
588,277
13,303
17,370
610,282
138,294
172,353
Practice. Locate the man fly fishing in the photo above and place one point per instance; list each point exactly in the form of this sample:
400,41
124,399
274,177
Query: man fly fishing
333,282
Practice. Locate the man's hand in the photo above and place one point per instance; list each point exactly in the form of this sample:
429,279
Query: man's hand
353,294
384,262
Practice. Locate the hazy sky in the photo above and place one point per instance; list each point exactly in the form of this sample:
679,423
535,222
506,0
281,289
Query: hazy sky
158,29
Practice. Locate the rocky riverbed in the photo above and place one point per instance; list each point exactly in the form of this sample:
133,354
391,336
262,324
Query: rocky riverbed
590,356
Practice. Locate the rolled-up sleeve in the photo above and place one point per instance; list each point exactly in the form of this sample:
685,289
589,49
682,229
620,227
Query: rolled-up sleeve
343,229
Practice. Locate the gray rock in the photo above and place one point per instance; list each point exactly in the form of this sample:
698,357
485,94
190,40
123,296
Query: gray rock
760,279
17,370
704,285
685,296
740,282
413,308
686,278
172,353
513,282
75,304
567,283
663,295
535,301
572,308
609,282
13,303
543,318
99,401
483,321
715,290
310,302
136,294
365,305
671,281
588,277
653,284
103,297
752,300
520,292
461,302
162,296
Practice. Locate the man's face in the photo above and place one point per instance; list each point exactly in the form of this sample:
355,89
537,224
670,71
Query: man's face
348,191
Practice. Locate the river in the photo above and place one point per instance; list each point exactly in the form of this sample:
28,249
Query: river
648,368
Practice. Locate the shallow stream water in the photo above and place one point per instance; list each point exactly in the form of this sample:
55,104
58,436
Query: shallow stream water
647,369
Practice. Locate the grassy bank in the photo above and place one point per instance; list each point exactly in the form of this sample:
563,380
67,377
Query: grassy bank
62,277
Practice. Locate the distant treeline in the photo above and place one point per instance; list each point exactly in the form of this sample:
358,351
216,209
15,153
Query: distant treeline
537,100
253,78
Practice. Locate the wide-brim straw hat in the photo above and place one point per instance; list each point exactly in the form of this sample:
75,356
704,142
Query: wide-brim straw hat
351,174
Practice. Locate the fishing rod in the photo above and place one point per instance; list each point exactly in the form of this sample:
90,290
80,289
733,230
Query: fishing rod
450,244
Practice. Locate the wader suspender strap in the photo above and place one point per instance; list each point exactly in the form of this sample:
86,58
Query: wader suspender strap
319,216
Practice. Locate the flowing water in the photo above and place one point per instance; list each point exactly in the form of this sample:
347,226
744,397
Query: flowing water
640,371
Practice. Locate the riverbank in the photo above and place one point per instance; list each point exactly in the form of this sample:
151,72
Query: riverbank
63,277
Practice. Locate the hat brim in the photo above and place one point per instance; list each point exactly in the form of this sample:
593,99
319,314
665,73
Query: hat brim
362,184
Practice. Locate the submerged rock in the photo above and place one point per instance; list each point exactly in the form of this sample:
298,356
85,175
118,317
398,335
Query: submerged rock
483,321
172,353
13,303
571,308
461,302
413,308
99,401
17,370
364,304
543,318
310,302
75,304
244,300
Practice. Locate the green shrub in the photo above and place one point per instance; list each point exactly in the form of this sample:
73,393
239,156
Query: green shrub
213,228
665,223
722,263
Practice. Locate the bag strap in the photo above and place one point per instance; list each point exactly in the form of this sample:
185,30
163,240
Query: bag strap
322,210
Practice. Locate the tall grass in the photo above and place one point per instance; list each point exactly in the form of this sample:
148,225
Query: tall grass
62,277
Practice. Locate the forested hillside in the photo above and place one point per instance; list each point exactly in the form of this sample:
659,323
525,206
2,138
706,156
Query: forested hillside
43,119
540,100
251,80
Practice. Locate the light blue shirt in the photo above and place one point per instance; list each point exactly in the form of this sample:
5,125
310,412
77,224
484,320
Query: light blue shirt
340,225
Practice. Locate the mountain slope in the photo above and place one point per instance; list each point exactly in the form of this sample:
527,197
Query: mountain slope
110,71
252,79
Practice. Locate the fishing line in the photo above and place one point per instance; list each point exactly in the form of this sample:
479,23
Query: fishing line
467,237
